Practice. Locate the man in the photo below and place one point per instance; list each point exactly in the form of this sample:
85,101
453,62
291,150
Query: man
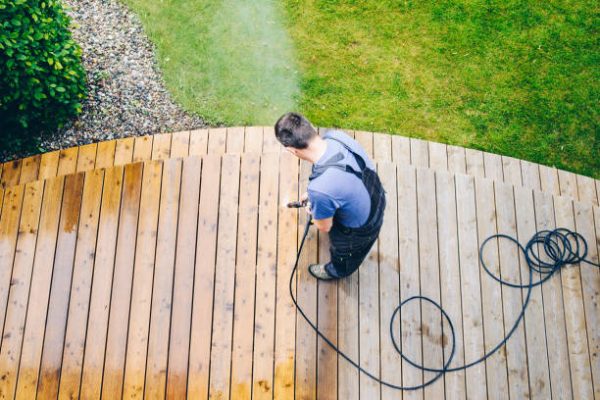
345,195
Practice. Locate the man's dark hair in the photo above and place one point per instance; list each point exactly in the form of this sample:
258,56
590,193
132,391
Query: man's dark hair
293,130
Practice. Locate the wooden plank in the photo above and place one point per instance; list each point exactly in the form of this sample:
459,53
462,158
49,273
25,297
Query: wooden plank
327,376
450,280
531,175
105,155
124,151
67,161
438,156
95,342
306,286
137,341
539,375
554,316
263,385
31,351
202,305
470,286
245,273
590,280
365,139
58,308
30,169
382,147
419,153
285,317
389,276
183,286
431,328
220,360
198,142
86,160
586,189
29,199
253,139
162,293
516,349
181,144
48,165
142,148
116,342
474,159
72,358
217,138
549,180
457,159
161,146
9,231
409,278
511,170
11,173
492,164
491,291
401,150
568,184
581,373
235,140
270,142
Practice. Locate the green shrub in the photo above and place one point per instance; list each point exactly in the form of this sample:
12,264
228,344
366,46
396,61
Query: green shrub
42,80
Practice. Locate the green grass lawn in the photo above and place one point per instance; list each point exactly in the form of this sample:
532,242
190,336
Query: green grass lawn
517,78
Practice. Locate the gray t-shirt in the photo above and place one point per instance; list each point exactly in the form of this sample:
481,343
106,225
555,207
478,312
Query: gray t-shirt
337,192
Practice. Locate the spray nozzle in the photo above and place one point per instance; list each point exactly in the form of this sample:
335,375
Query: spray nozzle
297,204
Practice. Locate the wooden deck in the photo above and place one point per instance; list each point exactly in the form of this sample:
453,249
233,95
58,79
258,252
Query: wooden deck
159,266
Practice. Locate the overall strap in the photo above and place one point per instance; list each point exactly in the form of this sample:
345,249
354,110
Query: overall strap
361,162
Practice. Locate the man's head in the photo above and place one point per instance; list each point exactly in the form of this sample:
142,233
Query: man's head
294,131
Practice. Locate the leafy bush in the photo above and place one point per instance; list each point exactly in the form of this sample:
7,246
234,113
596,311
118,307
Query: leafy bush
42,80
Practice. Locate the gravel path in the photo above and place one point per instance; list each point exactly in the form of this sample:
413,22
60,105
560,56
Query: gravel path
127,96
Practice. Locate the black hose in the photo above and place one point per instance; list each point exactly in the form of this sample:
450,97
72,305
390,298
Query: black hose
560,246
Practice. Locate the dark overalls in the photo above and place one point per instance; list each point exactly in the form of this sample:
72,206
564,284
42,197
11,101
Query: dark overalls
350,246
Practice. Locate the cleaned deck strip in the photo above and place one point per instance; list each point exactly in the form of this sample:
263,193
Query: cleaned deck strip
202,302
161,146
245,278
91,381
162,292
491,291
590,281
141,297
389,278
581,374
306,289
142,148
511,170
474,163
235,140
554,315
270,143
457,161
37,307
438,156
183,286
516,350
419,153
382,147
253,139
198,142
266,273
401,150
409,278
72,358
470,286
493,167
25,202
58,307
431,320
124,151
105,155
450,283
86,160
180,146
222,329
217,138
535,330
116,341
286,228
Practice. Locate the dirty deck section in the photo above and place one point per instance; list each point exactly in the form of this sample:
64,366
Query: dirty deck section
159,267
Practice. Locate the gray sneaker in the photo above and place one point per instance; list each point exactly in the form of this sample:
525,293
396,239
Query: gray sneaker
319,272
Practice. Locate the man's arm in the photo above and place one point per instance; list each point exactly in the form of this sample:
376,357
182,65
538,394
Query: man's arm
324,225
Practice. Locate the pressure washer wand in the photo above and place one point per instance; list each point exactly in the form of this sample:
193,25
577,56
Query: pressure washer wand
297,204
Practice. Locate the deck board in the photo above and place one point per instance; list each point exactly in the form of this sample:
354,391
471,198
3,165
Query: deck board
169,277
